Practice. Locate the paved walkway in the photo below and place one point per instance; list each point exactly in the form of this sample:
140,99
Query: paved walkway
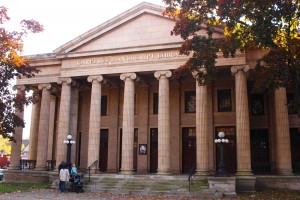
53,194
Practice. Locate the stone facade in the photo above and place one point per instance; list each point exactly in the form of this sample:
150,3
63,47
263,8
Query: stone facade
113,90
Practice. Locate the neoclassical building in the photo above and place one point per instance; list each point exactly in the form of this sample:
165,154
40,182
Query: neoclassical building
112,88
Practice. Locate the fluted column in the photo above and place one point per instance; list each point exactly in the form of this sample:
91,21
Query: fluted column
34,126
95,117
163,122
42,145
51,127
64,119
128,123
15,156
201,130
283,146
242,121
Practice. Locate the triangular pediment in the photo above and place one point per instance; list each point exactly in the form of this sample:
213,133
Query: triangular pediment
142,26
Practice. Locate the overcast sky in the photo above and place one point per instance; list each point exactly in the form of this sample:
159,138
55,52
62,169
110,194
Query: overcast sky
63,20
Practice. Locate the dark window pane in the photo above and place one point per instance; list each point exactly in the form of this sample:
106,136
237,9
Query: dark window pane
291,103
224,100
190,102
103,105
155,103
257,104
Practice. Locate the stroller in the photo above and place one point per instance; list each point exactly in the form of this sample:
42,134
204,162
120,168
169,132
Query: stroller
76,183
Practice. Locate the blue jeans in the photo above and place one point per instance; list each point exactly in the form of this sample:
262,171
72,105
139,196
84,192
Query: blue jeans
62,186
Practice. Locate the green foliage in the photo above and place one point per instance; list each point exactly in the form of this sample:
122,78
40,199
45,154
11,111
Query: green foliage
261,24
9,187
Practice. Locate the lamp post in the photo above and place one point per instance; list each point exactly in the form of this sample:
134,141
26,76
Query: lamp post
69,143
221,169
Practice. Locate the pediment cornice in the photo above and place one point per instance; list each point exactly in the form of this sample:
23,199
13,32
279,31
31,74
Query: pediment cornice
110,25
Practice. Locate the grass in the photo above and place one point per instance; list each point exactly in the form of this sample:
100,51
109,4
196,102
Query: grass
9,187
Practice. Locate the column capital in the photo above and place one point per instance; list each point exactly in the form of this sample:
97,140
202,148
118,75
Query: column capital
132,76
66,80
46,86
159,74
19,87
236,68
93,78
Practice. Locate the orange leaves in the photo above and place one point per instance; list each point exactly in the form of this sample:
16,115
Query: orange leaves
17,60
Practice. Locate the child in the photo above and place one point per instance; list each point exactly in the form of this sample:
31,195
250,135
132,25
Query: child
74,170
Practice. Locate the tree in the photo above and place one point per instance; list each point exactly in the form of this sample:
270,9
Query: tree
270,25
13,66
5,146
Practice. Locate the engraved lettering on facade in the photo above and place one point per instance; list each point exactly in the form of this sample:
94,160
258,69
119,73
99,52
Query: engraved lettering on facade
130,58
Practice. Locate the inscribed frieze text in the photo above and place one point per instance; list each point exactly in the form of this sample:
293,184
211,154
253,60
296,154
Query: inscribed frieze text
128,58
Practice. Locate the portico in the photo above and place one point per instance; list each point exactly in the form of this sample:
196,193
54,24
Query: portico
114,90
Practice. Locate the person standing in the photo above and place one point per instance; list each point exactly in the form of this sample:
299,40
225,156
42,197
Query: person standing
64,177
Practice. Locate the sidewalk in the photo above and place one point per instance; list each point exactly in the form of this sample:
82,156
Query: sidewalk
54,194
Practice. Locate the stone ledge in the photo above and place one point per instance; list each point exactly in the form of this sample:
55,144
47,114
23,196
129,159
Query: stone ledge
225,185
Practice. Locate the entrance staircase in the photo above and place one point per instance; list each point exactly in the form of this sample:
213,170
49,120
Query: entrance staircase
148,184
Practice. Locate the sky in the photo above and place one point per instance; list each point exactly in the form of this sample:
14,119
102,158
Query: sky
63,20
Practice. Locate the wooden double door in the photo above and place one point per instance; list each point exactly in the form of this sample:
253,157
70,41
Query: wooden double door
188,149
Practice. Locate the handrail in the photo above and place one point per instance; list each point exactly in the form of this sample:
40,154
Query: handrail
95,163
192,172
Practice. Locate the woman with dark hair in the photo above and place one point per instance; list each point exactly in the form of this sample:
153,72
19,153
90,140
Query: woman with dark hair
64,177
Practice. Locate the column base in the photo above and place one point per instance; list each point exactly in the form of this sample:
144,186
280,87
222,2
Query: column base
127,171
14,167
202,173
285,172
40,168
162,172
244,173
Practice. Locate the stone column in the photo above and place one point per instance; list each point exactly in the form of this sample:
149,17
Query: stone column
163,122
15,156
34,126
202,130
42,146
95,119
128,123
242,121
283,146
74,119
51,127
64,119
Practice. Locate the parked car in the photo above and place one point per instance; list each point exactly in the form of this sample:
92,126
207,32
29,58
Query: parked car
1,174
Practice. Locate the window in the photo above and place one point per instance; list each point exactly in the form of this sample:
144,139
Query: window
155,103
190,102
103,105
224,100
290,98
257,104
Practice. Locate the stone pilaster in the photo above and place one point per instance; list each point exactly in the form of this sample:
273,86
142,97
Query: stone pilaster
42,146
242,121
202,130
51,127
163,122
34,126
283,146
64,119
128,123
95,117
15,156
